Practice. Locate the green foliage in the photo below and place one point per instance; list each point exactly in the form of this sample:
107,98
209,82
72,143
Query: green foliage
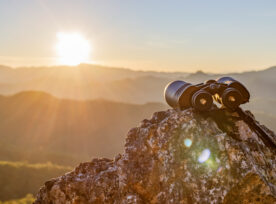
28,199
10,152
18,178
47,165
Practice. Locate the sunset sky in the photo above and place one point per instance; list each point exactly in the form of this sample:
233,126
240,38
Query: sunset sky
213,36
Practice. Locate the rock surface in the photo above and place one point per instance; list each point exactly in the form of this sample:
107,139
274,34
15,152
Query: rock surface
176,157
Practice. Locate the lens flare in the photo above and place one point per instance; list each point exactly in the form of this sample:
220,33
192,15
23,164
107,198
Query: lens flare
204,156
188,142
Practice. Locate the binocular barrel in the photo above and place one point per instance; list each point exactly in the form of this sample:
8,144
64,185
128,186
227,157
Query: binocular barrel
174,91
226,91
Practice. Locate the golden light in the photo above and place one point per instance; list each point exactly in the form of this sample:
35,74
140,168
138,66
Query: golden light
72,48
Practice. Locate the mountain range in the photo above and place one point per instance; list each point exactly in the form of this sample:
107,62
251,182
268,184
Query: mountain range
37,127
118,84
70,114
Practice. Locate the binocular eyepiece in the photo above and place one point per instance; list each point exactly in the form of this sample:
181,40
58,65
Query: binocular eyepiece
226,91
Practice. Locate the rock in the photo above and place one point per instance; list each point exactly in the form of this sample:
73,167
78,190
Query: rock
176,157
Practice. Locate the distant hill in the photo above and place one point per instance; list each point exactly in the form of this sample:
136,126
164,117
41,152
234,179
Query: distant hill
20,178
85,72
87,82
117,84
38,127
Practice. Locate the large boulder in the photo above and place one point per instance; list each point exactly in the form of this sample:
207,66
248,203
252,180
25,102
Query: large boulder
176,157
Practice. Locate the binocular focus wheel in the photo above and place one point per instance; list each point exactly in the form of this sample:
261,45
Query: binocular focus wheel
231,98
210,81
225,80
202,100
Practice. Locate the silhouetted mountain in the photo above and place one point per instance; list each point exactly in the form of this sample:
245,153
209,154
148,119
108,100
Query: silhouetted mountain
85,72
198,76
92,82
86,82
60,130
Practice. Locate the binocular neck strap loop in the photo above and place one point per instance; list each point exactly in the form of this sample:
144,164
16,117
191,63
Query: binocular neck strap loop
265,137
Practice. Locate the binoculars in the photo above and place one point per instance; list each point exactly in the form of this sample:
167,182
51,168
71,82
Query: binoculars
226,91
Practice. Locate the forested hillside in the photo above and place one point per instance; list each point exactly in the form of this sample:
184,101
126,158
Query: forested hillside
17,179
37,127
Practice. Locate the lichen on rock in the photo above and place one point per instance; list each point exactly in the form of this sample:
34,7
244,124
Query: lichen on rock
176,157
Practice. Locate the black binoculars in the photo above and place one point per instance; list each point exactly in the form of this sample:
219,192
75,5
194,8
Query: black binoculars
226,91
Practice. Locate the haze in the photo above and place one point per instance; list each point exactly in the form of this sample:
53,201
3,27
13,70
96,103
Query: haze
213,36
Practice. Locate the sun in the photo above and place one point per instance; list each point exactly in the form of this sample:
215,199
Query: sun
72,48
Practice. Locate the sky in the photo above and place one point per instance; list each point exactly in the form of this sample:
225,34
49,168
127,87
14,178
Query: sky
212,36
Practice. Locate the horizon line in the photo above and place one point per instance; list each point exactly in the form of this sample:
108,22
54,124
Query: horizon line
127,68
